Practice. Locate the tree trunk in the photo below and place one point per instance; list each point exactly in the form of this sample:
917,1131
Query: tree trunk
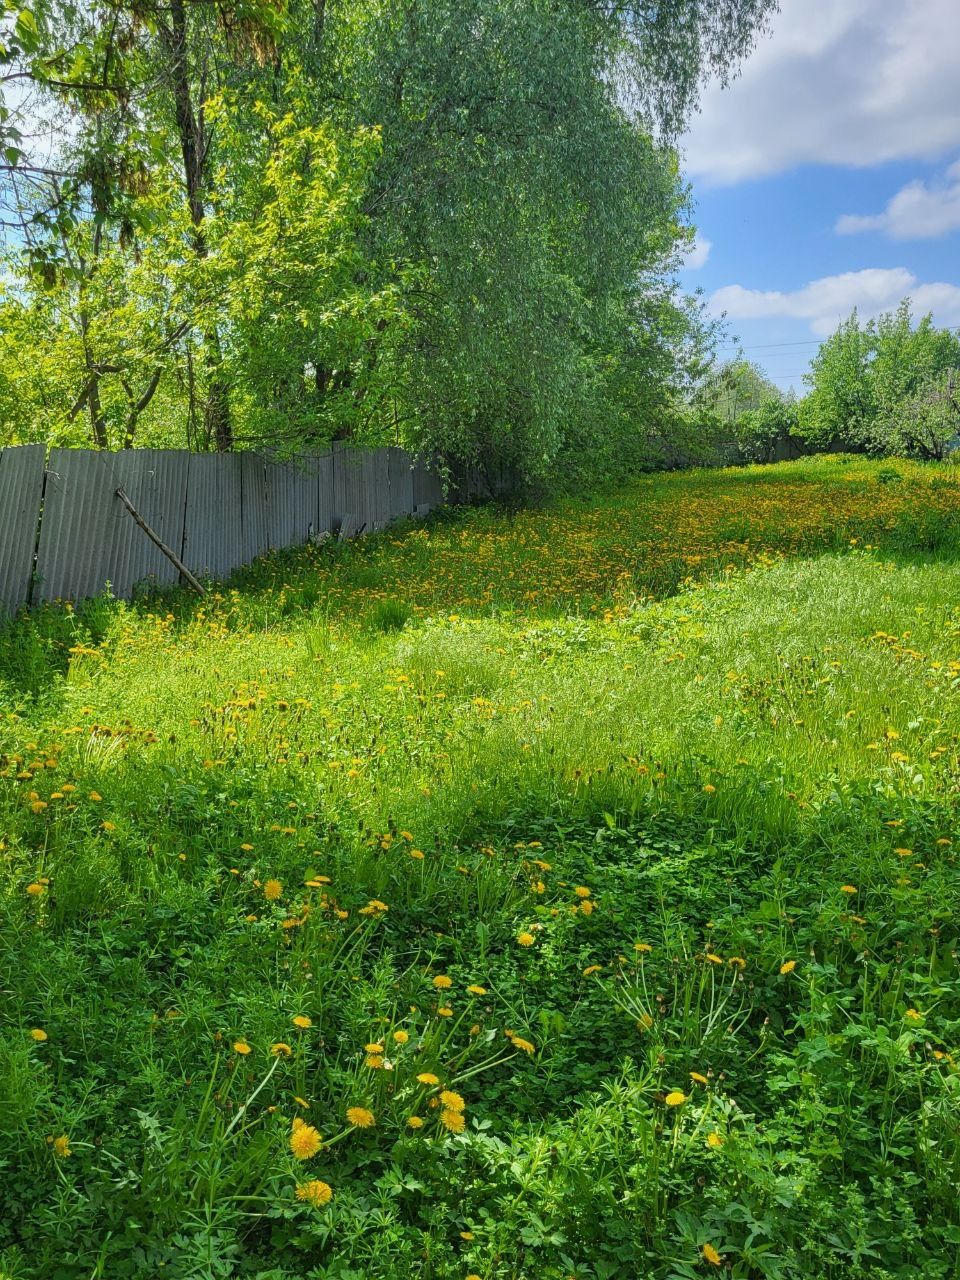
191,129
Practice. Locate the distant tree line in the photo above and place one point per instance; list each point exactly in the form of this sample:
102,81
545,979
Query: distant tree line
888,386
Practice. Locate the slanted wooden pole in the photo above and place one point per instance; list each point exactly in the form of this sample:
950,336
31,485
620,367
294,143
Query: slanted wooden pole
158,541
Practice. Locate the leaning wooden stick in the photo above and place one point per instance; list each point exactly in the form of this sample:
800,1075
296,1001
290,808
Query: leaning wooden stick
158,541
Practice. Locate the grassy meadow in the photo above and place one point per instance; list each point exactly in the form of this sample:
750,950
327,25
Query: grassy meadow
566,893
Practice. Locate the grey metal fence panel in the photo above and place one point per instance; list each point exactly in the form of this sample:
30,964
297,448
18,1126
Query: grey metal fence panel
21,492
348,482
401,483
295,501
155,481
427,490
255,505
79,525
212,534
378,489
327,507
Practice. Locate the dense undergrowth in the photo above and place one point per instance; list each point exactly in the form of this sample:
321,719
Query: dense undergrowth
585,878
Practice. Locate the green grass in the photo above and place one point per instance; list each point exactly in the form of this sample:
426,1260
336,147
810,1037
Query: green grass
724,704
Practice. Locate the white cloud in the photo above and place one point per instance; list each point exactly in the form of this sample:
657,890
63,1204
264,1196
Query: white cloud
698,253
825,302
916,212
851,82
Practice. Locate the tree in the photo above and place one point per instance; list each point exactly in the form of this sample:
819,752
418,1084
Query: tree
867,382
841,404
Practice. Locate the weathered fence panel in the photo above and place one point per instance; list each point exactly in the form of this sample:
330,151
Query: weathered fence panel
327,506
295,506
348,482
213,528
255,506
215,511
21,492
427,490
377,489
155,481
400,469
80,513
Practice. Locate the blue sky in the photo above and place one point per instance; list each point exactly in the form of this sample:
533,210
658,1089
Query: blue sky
827,176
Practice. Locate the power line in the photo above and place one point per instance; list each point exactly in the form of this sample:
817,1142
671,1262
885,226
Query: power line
804,342
766,346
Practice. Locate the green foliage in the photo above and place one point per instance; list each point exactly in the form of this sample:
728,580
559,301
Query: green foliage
435,223
761,429
885,387
702,845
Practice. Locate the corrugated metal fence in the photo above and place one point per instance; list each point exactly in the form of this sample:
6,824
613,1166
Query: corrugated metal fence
64,533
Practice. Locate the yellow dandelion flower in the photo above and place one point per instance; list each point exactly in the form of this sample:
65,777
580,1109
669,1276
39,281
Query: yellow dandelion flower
698,1078
714,958
374,908
524,1046
592,968
302,1021
315,1193
401,1037
466,1235
427,1077
373,1047
247,848
737,962
95,796
914,1015
582,891
711,1255
281,1048
272,890
305,1141
374,1061
445,1012
709,788
526,939
414,1122
452,1101
417,854
714,1140
675,1098
788,966
301,1102
476,990
642,948
241,1047
38,1034
360,1117
586,906
36,889
442,982
848,888
61,1146
453,1121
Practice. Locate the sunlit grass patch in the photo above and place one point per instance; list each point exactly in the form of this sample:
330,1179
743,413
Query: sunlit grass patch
579,930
